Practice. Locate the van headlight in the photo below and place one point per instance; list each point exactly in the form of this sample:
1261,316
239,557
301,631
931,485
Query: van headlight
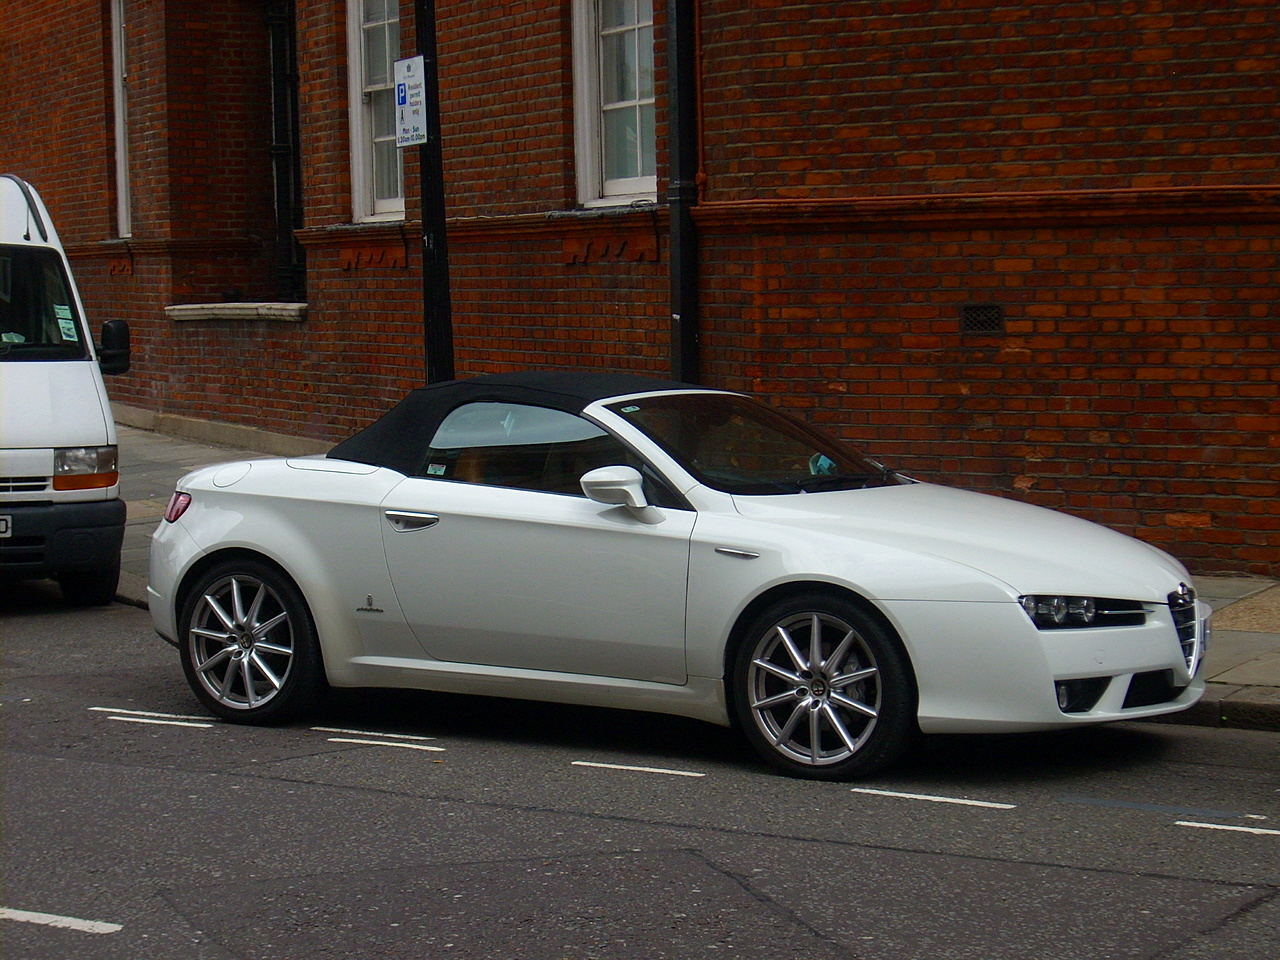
85,468
1061,612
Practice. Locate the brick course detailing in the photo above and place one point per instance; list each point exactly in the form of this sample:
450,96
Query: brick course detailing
1101,179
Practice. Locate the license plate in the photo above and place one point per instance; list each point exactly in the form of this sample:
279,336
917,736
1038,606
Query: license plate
6,526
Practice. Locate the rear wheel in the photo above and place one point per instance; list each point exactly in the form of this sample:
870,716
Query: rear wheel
822,690
248,644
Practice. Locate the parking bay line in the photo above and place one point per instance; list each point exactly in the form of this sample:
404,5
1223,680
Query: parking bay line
147,716
933,799
622,766
1256,831
370,733
387,743
65,923
147,713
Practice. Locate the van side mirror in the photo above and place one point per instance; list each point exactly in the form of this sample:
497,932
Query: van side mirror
113,355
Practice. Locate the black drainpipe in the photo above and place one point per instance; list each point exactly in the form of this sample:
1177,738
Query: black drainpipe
286,155
682,190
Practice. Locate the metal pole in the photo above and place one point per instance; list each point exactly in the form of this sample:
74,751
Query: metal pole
682,191
437,311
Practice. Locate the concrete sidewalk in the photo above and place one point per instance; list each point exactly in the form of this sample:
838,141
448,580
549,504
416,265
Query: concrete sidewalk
1242,665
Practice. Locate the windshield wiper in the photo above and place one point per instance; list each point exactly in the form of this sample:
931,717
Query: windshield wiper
838,481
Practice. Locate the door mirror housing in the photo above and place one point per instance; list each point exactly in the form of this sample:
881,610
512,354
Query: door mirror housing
113,355
619,485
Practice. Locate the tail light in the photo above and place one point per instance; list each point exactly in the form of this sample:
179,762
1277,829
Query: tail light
178,504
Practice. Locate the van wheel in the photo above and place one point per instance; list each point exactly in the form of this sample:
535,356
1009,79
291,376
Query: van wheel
90,588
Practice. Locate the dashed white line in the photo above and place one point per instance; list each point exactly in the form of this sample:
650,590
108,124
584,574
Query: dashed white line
1257,831
148,713
622,766
924,796
65,923
148,716
387,743
165,723
370,733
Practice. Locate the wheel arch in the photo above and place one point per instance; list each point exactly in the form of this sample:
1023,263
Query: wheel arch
798,588
206,563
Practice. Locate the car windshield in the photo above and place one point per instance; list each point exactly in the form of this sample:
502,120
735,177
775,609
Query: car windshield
37,313
739,445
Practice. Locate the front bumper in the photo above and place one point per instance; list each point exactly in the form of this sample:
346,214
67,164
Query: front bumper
47,539
984,667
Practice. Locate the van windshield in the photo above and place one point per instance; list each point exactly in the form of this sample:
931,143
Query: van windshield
38,318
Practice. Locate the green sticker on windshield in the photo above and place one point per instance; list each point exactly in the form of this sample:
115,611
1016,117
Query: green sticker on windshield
630,409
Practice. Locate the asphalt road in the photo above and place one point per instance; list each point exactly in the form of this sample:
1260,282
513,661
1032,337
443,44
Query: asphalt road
414,826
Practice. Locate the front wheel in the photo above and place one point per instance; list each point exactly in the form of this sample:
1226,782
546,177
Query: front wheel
248,644
822,690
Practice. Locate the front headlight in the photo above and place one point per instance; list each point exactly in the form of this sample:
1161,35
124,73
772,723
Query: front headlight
85,468
1060,612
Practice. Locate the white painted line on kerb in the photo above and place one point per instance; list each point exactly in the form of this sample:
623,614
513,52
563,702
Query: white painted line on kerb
922,796
148,713
1257,831
622,766
65,923
370,733
387,743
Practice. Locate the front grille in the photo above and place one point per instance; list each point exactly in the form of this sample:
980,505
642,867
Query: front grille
24,484
18,550
1182,605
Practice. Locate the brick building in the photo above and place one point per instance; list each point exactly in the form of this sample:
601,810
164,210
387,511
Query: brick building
1030,248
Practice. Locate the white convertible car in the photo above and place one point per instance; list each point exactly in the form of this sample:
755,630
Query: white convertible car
618,541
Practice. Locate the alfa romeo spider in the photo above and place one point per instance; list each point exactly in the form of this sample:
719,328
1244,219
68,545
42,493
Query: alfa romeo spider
625,542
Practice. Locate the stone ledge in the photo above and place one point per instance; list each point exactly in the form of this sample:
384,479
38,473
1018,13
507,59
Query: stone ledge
289,312
224,434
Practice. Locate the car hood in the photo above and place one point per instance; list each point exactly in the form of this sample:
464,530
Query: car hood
1029,548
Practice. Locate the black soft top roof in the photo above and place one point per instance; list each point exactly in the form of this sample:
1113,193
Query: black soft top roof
398,439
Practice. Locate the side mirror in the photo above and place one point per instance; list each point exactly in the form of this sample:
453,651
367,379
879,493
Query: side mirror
617,485
113,355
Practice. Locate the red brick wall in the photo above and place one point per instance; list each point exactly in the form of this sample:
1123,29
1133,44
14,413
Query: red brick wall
897,96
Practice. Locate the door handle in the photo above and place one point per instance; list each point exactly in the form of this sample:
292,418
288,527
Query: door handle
404,521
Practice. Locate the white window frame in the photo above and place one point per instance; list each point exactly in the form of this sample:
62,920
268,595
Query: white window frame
364,206
593,189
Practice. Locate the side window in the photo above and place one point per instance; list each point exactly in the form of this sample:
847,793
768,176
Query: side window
529,448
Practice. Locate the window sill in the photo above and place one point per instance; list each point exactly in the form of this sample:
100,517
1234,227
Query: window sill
288,312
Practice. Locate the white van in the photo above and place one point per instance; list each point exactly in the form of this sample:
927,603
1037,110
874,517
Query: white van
61,515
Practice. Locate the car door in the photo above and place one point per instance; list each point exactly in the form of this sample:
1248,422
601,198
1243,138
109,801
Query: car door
498,559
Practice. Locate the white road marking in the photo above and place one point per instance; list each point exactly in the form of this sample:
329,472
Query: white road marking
622,766
1258,831
922,796
53,920
166,723
149,713
370,733
387,743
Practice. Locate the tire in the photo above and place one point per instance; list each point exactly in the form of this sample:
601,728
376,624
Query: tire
249,646
95,587
835,710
